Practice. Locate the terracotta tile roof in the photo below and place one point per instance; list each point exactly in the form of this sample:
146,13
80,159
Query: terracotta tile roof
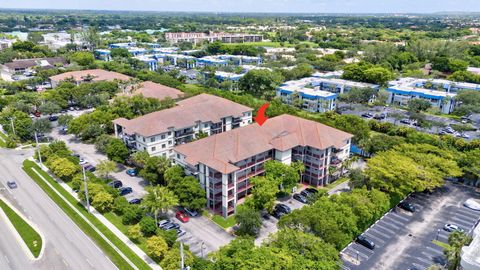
203,108
283,132
155,90
97,74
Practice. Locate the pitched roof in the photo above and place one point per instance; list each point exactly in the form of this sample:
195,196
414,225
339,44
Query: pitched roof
155,90
203,108
97,74
33,62
283,132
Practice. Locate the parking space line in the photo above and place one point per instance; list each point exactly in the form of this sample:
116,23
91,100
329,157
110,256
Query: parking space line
397,215
380,226
466,217
420,266
468,214
376,232
468,211
393,226
434,250
377,239
364,249
462,223
392,219
360,254
428,262
423,264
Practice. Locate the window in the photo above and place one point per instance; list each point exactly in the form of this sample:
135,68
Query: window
153,149
169,142
169,133
178,156
143,139
164,154
163,136
152,139
163,146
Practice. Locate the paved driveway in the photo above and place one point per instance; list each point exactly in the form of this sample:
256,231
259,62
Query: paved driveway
404,240
89,152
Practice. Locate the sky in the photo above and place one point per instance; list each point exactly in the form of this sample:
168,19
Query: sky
302,6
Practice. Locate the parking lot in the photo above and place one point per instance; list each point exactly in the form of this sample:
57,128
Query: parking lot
403,240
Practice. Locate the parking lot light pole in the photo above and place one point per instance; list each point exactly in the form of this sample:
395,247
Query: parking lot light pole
357,255
38,148
438,232
202,247
86,188
13,126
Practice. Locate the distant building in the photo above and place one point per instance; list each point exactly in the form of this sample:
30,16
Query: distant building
5,44
440,93
58,40
317,94
174,38
475,70
91,75
158,132
225,163
103,54
21,66
153,90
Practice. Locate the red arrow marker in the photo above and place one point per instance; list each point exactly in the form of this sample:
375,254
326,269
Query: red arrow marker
261,118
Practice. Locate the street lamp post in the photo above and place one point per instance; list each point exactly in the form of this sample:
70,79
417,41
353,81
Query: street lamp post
438,232
202,247
357,255
13,126
38,148
86,188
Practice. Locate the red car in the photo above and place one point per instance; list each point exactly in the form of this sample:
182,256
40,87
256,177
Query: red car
180,215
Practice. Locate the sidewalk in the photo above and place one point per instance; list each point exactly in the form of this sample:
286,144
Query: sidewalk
109,225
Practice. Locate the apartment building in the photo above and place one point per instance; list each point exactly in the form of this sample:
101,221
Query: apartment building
174,38
440,93
317,94
225,163
90,75
158,132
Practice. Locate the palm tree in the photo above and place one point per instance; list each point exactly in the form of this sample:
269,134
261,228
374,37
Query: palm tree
105,167
158,199
456,240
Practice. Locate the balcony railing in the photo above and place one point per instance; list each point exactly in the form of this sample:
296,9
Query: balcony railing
243,177
250,164
244,188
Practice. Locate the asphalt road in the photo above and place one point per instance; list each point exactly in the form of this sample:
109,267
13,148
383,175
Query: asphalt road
66,246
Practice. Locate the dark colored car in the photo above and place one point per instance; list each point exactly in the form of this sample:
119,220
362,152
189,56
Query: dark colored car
190,212
380,116
278,214
135,201
116,184
125,190
37,114
170,225
300,198
305,193
132,172
53,118
312,190
407,206
11,184
90,168
406,121
367,115
364,241
282,207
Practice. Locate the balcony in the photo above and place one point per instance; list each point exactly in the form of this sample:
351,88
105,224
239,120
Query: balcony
244,188
231,197
243,177
250,164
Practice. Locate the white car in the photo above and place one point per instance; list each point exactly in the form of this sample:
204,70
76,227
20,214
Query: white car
83,161
451,228
472,204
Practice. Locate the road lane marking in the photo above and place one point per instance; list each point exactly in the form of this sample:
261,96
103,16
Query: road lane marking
6,259
89,263
64,262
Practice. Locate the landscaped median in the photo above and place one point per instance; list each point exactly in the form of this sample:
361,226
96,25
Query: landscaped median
3,139
120,254
32,238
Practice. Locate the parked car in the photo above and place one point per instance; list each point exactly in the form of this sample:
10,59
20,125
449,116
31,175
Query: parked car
465,136
37,114
83,161
163,222
132,172
190,212
116,184
282,207
53,118
169,226
300,198
364,241
180,215
407,206
472,204
90,168
406,121
367,115
451,228
305,193
11,184
380,116
125,190
278,213
312,190
135,201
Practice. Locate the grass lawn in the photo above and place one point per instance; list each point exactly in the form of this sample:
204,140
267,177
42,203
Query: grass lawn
3,139
224,223
336,183
28,234
441,244
84,226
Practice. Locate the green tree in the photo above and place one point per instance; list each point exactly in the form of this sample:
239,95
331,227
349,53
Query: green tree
171,260
159,199
156,247
248,220
131,214
260,83
418,105
456,241
154,168
135,232
117,150
105,167
63,168
41,126
49,108
189,192
378,75
119,204
103,202
101,143
83,58
148,226
285,176
264,192
120,52
64,119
